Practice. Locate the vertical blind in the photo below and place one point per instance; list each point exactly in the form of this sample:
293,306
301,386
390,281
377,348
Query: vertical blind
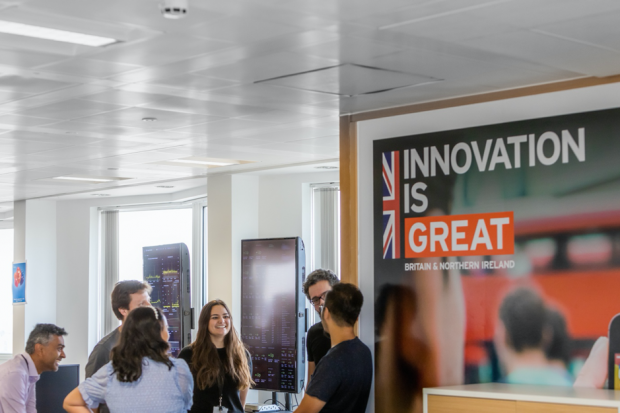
109,267
326,222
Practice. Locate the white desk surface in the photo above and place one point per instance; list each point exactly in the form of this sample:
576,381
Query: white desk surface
541,394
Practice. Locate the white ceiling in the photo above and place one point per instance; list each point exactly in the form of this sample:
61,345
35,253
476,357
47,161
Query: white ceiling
242,79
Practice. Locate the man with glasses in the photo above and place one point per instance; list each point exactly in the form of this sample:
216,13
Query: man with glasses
318,342
341,382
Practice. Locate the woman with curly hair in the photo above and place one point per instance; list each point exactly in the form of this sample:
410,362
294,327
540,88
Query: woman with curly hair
219,362
141,377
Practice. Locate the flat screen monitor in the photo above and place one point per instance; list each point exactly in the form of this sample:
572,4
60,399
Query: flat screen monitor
53,387
273,311
166,269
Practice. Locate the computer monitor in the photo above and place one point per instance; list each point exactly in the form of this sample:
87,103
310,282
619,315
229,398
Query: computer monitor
273,311
53,387
166,268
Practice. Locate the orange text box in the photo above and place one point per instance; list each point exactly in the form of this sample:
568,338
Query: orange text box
460,235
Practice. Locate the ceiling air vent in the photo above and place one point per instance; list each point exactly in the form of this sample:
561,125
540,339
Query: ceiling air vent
349,80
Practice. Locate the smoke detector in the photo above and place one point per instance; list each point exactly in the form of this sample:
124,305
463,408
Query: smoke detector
174,9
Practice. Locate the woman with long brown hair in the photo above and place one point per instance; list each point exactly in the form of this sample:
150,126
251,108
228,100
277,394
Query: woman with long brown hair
141,377
219,362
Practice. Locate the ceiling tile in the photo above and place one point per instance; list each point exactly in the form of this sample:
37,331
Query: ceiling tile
202,107
162,49
193,81
24,84
600,29
132,117
551,51
88,67
70,109
269,66
25,59
14,120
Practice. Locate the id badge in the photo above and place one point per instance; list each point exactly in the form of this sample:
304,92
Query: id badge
218,409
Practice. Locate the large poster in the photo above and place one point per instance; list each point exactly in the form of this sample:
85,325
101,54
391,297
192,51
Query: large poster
497,255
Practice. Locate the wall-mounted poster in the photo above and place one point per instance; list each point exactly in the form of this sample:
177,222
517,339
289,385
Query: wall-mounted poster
19,283
496,255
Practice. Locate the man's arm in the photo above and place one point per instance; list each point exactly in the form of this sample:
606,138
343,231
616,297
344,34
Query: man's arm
14,393
310,404
311,367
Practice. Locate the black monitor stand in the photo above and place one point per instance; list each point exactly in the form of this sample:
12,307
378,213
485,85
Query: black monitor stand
287,402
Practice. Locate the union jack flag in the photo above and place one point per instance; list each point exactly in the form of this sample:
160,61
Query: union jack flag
391,205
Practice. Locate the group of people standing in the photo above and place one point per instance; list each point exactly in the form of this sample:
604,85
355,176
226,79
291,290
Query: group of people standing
131,370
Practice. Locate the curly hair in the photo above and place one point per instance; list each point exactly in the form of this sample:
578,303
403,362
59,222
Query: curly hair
319,275
206,364
140,337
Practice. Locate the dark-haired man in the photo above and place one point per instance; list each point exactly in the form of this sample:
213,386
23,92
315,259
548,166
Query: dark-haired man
45,348
519,341
318,342
341,381
125,296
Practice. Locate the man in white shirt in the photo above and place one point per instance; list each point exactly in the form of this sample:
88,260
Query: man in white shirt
18,376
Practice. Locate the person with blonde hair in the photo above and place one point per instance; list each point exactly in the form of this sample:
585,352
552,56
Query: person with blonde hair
219,362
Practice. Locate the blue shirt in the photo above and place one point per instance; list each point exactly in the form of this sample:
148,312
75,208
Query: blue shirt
157,390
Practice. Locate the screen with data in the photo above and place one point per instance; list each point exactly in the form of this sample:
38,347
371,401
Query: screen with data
162,270
269,311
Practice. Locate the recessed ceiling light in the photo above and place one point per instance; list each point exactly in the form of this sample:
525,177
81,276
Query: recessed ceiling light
46,33
75,178
165,186
189,161
149,119
326,167
100,194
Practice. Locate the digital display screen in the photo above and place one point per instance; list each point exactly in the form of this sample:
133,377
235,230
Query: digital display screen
162,270
268,311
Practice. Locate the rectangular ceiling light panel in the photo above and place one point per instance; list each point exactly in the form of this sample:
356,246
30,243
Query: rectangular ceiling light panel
39,32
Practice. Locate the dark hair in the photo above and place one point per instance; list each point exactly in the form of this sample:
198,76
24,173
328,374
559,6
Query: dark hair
42,334
206,365
344,303
319,275
523,314
121,294
559,345
140,337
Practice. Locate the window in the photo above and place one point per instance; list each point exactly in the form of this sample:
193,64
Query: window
6,293
139,229
325,223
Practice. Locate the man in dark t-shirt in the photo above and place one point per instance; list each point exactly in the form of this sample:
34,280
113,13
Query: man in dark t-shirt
341,382
318,342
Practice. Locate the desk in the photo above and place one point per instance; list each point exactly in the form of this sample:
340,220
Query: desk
510,398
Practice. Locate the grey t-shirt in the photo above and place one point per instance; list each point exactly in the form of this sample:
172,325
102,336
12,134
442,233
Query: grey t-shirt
101,356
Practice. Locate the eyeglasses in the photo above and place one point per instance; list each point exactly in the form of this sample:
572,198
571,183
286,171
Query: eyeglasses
317,300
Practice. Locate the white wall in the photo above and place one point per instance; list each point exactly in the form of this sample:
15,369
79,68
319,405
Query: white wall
35,243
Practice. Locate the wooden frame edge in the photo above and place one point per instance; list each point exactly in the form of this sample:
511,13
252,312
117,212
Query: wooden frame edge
348,202
485,97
